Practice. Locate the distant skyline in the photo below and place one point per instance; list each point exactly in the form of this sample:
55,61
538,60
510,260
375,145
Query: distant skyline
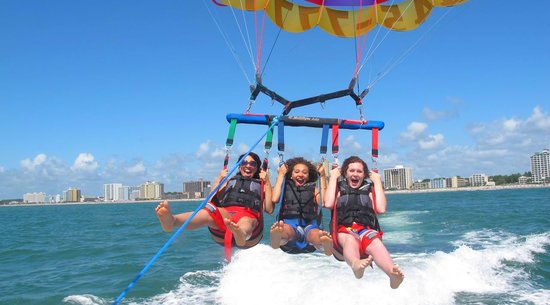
100,92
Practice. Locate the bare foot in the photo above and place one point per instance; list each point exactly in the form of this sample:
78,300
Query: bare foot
359,266
326,241
276,233
238,234
396,277
165,216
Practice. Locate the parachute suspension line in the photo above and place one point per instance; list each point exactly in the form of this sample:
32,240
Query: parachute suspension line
184,225
248,45
407,52
228,43
369,55
259,37
379,28
274,43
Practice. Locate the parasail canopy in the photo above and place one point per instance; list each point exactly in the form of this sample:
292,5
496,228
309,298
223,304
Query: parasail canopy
361,17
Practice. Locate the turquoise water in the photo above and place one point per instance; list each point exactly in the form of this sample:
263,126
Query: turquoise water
482,247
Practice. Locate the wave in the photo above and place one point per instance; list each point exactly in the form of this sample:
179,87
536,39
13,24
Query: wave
485,267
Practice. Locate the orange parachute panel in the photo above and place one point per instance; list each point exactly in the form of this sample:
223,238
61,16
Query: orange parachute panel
295,18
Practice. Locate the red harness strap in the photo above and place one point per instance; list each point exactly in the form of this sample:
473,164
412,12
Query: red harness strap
236,213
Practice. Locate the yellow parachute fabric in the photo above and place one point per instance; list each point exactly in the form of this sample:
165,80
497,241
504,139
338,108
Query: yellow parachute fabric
296,18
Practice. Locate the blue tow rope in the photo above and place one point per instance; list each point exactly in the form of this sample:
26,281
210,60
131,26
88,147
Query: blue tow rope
203,203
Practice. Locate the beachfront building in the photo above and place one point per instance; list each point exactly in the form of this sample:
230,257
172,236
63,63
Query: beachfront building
398,178
113,192
421,185
438,183
458,181
34,198
72,195
479,180
196,189
523,180
151,190
540,166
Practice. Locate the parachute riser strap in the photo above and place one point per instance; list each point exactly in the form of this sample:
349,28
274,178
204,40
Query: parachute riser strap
229,141
281,196
184,225
335,147
281,140
374,150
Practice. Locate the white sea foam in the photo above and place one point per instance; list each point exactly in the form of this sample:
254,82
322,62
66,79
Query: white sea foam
484,263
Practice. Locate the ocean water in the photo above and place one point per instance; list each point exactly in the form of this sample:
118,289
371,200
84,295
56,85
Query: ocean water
481,247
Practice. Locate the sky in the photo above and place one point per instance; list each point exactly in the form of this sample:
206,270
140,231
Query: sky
95,92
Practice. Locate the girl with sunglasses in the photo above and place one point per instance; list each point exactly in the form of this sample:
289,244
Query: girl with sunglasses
234,215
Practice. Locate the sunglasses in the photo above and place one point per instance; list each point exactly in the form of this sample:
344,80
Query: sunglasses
249,163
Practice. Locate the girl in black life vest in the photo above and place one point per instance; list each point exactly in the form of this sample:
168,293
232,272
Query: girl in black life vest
235,217
297,229
357,228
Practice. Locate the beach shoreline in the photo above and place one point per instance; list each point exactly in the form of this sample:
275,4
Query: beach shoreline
460,189
470,188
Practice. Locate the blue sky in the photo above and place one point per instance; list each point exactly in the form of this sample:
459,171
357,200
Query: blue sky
95,92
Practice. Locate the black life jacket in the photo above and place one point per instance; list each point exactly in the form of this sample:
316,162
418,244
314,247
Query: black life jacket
245,192
299,202
355,205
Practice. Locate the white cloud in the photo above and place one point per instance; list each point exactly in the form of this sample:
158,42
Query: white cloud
433,115
414,131
431,141
511,125
539,120
137,168
85,162
31,165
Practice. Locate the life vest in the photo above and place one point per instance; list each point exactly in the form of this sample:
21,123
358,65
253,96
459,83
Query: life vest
355,205
299,202
245,192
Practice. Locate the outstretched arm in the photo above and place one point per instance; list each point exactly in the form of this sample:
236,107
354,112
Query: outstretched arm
321,193
381,202
330,194
277,188
222,175
268,202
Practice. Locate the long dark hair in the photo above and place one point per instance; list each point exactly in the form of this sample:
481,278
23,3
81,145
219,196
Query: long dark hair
258,163
290,163
354,159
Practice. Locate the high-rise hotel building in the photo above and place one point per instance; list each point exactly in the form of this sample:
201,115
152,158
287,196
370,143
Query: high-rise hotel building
540,166
151,190
398,178
196,189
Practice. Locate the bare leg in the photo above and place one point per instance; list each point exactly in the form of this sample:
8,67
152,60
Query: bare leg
168,221
351,254
321,240
360,265
276,234
242,230
383,260
326,241
165,216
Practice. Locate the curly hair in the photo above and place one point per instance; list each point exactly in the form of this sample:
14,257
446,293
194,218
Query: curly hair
258,163
354,159
290,163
